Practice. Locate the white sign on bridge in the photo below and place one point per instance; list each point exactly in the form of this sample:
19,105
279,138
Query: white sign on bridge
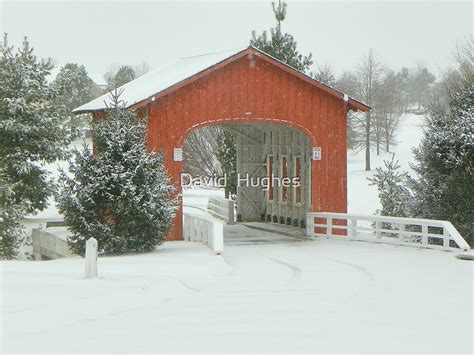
178,154
316,153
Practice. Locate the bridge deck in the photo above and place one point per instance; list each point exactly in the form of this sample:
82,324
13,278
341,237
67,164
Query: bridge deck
261,233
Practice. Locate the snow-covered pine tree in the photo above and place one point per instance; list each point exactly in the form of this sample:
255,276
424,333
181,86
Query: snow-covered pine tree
121,195
280,45
420,82
73,87
393,193
116,79
31,135
444,186
11,233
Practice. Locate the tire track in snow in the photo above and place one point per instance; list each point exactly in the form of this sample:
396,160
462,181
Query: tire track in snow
366,272
296,271
185,285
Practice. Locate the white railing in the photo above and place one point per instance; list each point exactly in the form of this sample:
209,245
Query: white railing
407,231
222,208
204,229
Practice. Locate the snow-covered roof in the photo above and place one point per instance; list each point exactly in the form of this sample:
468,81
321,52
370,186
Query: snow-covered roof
158,80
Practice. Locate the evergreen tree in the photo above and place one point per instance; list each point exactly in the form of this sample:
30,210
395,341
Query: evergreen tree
403,78
226,154
280,45
31,136
72,87
11,233
444,186
122,195
123,75
420,83
325,74
393,193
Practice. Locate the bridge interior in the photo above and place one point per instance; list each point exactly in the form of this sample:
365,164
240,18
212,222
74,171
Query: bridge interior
268,154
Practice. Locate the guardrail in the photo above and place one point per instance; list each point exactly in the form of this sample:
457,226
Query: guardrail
425,233
50,243
222,208
204,229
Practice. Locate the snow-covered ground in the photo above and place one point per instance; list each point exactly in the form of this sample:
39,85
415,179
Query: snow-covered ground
287,296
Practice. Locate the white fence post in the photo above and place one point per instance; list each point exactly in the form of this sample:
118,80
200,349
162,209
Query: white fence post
217,238
445,237
309,225
329,227
402,232
91,258
222,208
378,226
353,228
206,230
424,234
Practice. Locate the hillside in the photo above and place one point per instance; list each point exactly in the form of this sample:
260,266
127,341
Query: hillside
362,198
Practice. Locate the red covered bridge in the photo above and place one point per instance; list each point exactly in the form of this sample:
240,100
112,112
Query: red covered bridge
282,120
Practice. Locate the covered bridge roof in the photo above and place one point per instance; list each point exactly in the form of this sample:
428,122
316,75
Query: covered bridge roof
167,78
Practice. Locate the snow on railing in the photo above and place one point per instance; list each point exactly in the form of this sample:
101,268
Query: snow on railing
204,229
222,208
407,231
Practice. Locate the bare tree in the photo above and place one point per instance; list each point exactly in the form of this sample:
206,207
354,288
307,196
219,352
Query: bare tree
464,56
141,69
389,108
421,82
199,152
369,71
348,83
453,79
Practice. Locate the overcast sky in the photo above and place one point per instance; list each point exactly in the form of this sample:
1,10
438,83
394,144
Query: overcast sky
98,34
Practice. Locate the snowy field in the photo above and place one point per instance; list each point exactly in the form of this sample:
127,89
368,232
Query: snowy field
362,198
279,296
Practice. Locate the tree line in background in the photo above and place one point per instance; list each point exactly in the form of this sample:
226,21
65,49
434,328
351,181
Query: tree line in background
442,186
390,94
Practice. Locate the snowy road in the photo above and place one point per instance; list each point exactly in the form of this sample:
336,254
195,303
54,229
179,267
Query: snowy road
284,296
